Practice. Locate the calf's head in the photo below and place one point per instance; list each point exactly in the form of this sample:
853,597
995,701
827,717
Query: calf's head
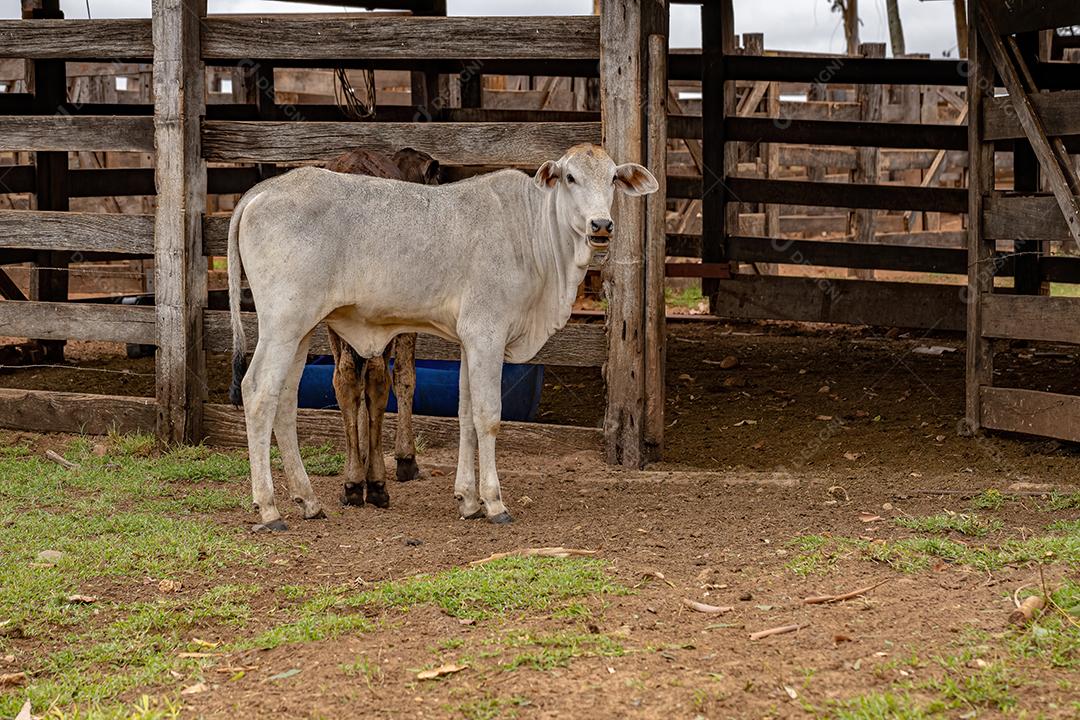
585,180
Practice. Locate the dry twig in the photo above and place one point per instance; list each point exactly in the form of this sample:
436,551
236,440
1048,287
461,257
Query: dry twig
824,599
775,631
61,460
558,552
706,608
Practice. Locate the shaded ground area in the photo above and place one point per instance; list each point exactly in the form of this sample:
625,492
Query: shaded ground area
161,603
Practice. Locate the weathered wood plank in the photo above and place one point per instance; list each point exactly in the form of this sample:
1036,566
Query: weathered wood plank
855,254
1031,317
830,132
112,39
656,93
1060,113
46,411
1016,16
867,158
825,300
1031,412
78,321
224,426
450,143
1023,217
85,132
97,232
180,271
577,344
401,38
827,194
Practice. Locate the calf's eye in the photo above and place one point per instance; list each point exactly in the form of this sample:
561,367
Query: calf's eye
570,179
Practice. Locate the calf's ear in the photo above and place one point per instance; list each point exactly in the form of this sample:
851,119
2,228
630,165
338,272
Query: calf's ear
635,180
548,175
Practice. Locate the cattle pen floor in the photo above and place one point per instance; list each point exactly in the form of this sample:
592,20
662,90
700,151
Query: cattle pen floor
821,463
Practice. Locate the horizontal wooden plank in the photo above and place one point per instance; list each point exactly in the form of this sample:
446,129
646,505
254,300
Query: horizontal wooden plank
847,254
1059,112
1032,317
99,232
112,39
1023,217
827,300
81,413
452,143
85,132
364,38
1017,16
848,195
78,321
845,70
17,178
224,427
697,270
1031,412
577,344
837,132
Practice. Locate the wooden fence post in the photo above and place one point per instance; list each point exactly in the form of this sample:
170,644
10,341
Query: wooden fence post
718,220
625,26
867,159
656,247
180,173
980,356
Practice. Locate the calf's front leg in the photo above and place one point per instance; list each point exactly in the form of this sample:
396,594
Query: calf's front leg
485,384
465,480
349,390
376,392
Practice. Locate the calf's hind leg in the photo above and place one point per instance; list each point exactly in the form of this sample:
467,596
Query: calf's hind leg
349,389
285,433
376,391
404,385
485,381
261,388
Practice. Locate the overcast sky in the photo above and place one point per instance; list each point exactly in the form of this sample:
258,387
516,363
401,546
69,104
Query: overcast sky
788,24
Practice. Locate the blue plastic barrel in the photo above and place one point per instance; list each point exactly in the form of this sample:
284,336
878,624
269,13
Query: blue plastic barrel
436,388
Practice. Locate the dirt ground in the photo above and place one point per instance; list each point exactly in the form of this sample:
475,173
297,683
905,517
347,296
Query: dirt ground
797,472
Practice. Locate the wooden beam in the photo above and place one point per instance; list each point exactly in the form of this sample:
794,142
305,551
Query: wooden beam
224,426
867,158
450,143
1059,111
846,70
1023,217
979,353
1031,317
79,413
284,37
828,194
827,300
8,289
78,321
180,270
849,254
112,39
1017,16
77,231
834,132
61,133
1031,412
655,245
577,344
717,105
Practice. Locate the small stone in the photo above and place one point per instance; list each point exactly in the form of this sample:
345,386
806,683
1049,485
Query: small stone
50,556
824,389
413,542
729,362
525,500
887,506
746,596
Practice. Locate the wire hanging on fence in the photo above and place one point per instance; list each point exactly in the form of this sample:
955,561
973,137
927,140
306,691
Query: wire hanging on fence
349,102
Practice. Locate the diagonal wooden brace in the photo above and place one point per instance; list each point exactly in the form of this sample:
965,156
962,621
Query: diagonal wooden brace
1059,175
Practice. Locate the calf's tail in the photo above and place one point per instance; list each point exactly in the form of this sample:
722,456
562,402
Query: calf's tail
239,357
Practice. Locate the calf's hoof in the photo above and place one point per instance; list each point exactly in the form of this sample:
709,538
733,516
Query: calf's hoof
502,518
353,495
377,495
477,515
407,469
272,526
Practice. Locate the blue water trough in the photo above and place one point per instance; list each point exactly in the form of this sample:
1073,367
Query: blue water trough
436,388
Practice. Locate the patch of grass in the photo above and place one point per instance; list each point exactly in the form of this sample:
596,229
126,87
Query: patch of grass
817,553
489,708
971,525
988,500
879,706
496,588
1061,501
991,687
546,651
365,669
690,297
311,626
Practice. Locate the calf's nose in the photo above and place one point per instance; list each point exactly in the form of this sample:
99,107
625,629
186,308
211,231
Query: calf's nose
602,227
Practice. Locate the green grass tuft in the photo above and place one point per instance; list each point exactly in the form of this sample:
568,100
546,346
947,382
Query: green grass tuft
942,523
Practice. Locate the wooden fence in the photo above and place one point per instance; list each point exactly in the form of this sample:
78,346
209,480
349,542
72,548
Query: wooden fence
202,149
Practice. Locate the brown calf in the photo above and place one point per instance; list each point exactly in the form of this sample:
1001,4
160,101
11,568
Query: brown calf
362,387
